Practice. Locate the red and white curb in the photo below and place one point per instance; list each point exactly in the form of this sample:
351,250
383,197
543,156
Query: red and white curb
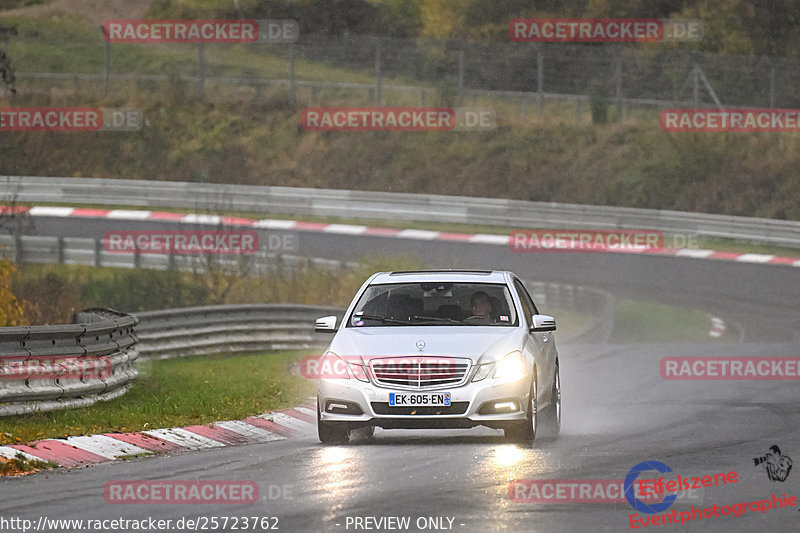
350,229
85,450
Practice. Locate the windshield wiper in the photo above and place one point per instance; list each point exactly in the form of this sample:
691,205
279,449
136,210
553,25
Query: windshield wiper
384,319
437,319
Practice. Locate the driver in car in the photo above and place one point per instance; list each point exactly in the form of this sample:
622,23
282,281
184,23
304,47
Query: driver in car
481,305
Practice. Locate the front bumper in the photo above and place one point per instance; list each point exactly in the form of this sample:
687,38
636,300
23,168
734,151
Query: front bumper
356,403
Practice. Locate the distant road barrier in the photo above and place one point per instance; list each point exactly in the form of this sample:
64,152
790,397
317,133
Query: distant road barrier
230,329
389,206
90,252
43,368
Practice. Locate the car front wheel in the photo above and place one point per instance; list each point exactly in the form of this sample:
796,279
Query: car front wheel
525,431
551,415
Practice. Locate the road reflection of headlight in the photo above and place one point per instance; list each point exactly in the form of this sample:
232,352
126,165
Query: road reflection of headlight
507,455
334,458
335,471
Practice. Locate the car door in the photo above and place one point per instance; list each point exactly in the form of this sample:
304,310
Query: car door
539,345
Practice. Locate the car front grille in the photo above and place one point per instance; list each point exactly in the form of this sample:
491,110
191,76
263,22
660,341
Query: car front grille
456,408
419,372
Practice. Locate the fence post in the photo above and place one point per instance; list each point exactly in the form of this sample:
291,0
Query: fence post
378,74
60,250
98,248
618,79
771,84
292,80
539,80
461,77
201,71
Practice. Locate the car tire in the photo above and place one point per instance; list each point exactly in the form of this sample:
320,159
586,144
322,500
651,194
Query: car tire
525,431
331,433
551,415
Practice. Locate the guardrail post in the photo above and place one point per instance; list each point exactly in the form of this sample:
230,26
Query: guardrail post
19,255
60,250
98,248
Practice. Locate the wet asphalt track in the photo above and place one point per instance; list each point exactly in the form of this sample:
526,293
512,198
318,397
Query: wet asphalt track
617,412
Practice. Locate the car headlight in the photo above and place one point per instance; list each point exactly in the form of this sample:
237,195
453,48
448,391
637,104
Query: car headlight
359,371
483,371
510,367
333,366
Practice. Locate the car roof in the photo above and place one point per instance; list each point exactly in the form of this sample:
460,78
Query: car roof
453,275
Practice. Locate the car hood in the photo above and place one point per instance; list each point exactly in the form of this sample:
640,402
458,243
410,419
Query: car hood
487,342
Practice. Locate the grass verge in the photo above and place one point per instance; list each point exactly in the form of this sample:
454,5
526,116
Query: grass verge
649,322
177,392
19,466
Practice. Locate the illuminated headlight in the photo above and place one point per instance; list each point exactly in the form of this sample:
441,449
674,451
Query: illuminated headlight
510,367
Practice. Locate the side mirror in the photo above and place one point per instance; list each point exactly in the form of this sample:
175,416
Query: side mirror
543,323
326,324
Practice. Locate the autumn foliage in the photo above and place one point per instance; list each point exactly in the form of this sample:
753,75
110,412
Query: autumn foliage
11,308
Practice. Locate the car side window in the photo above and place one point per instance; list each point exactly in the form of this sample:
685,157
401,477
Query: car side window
528,307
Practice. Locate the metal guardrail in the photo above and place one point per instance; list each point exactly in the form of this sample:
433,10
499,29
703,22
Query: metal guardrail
90,252
392,206
43,368
230,329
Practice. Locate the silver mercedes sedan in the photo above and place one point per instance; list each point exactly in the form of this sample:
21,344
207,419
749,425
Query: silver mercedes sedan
440,349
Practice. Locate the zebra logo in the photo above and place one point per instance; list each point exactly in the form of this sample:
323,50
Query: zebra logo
777,465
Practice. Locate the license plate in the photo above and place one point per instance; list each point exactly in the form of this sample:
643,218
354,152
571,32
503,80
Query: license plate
419,399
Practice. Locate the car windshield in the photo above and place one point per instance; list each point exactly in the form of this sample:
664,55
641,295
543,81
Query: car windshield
434,304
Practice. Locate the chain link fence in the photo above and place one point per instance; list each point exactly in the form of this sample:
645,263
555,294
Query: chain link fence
358,70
